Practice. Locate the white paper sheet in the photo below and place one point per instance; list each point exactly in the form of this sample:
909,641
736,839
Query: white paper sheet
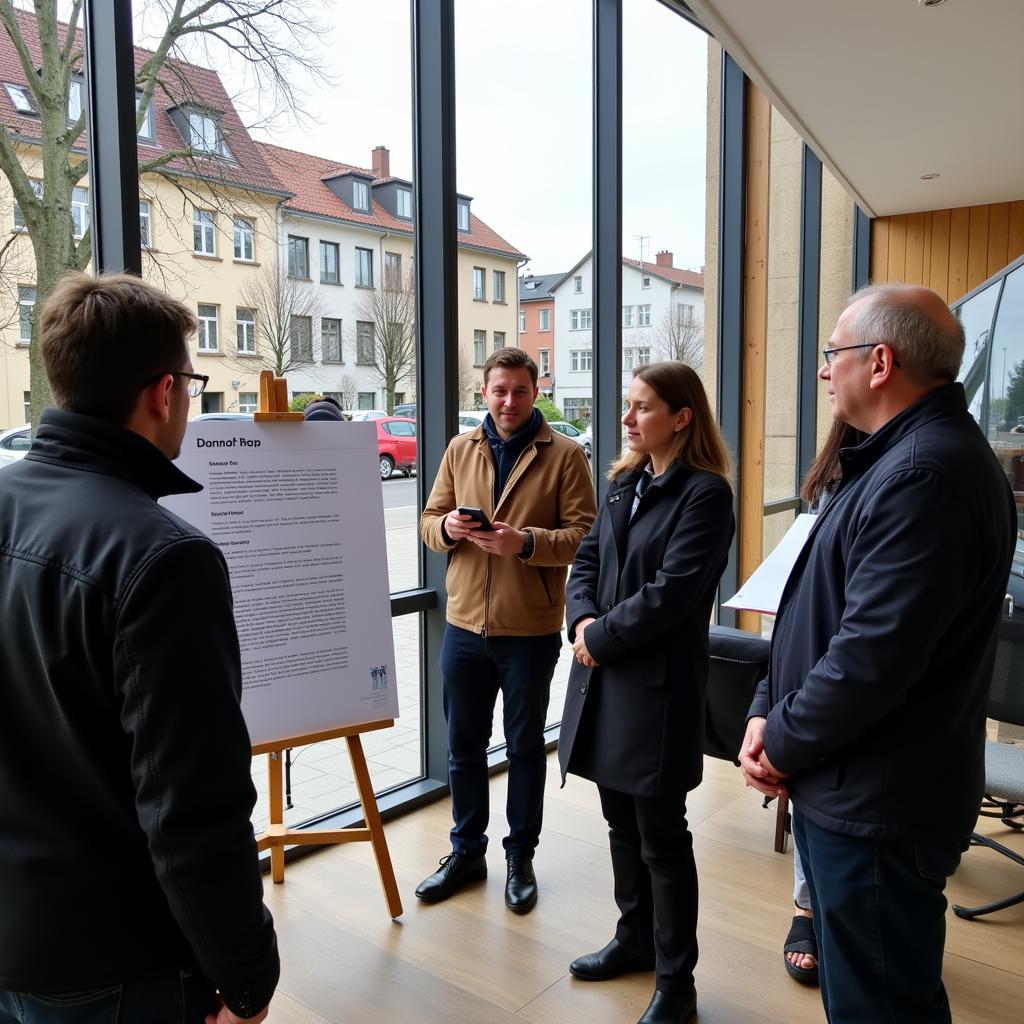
763,591
297,510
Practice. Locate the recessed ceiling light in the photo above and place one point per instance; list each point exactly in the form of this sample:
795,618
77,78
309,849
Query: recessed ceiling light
931,3
929,177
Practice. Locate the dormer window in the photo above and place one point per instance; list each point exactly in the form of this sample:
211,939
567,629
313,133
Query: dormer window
204,134
361,196
75,94
404,203
463,209
20,97
146,129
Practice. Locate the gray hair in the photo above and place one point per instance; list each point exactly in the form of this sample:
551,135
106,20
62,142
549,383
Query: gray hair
926,350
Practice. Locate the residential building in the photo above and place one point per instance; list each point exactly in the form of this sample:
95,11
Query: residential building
537,325
662,318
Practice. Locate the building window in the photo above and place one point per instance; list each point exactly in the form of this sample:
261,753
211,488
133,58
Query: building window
364,268
684,314
544,356
479,283
74,100
302,338
298,257
26,304
629,358
21,98
499,340
207,328
145,225
479,345
330,339
393,269
248,401
628,316
329,273
27,401
545,320
366,399
580,360
204,134
404,203
577,408
579,319
522,322
204,241
80,211
643,355
37,188
245,330
365,347
645,281
361,196
499,286
644,315
463,211
146,128
213,401
245,239
577,284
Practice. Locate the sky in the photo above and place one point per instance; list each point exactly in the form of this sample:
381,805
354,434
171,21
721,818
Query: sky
523,117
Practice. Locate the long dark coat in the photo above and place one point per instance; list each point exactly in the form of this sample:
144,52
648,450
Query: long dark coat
636,723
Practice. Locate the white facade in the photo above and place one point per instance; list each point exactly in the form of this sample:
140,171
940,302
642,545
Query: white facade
655,312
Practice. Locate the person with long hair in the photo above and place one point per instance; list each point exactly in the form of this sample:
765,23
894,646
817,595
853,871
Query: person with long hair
638,605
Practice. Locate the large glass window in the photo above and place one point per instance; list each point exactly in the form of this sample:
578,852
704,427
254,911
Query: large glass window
245,331
329,263
245,239
204,235
364,268
298,257
207,334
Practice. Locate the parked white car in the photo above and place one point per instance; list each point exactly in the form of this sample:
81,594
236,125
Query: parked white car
358,415
470,419
581,437
14,443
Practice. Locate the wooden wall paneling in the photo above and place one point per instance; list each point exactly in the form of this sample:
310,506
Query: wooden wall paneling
959,236
879,269
998,233
977,247
914,270
898,247
926,250
755,333
1015,232
939,273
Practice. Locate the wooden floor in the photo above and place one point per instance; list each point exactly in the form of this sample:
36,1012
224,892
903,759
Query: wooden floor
470,961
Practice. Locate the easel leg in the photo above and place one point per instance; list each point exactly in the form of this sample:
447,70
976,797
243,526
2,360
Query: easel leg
371,815
781,818
276,812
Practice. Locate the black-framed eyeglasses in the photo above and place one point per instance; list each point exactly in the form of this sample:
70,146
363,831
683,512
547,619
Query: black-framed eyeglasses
196,381
829,353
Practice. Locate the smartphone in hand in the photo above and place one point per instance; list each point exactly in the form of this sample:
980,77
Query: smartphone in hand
477,514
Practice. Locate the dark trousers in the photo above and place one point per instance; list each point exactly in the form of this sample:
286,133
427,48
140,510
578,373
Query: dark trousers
163,997
473,670
879,918
655,881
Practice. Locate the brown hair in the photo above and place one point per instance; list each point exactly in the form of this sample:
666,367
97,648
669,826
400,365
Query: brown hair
698,445
826,470
104,338
510,359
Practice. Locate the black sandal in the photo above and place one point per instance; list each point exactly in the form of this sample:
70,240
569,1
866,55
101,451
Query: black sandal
801,940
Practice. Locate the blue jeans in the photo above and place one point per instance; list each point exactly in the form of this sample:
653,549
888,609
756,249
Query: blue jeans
879,918
474,669
171,996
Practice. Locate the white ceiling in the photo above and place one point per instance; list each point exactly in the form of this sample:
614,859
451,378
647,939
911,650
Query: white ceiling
887,90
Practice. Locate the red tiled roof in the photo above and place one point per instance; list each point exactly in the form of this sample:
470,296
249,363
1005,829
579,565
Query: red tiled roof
304,174
687,277
182,83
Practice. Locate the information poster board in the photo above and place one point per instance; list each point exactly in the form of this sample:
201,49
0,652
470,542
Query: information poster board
297,510
763,591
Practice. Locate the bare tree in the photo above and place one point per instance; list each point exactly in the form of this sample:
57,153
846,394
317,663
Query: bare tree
467,382
277,41
285,313
680,335
348,385
391,308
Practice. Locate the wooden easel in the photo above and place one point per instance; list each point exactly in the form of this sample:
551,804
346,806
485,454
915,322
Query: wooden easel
274,406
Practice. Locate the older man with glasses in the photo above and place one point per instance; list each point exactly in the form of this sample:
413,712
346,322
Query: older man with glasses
129,880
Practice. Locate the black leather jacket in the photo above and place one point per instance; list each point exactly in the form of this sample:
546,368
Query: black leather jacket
125,793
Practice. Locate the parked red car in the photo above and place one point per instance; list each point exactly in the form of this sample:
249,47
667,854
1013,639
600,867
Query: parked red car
396,445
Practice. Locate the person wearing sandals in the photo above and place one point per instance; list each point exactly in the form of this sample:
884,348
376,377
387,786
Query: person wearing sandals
800,950
638,605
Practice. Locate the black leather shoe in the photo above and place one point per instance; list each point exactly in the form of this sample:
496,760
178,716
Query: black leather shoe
670,1008
610,962
455,872
521,885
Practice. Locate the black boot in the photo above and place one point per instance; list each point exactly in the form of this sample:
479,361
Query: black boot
521,885
670,1008
615,959
455,872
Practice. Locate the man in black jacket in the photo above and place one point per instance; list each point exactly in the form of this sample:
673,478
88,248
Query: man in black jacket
873,711
129,880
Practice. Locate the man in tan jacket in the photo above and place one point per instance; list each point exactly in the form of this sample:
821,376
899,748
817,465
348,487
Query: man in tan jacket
506,605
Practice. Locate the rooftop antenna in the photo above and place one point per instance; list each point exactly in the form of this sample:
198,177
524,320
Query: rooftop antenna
644,242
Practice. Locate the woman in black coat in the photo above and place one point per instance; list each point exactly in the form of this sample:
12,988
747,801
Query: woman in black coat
638,606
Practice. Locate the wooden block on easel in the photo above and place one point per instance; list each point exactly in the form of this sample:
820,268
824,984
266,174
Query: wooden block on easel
274,399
